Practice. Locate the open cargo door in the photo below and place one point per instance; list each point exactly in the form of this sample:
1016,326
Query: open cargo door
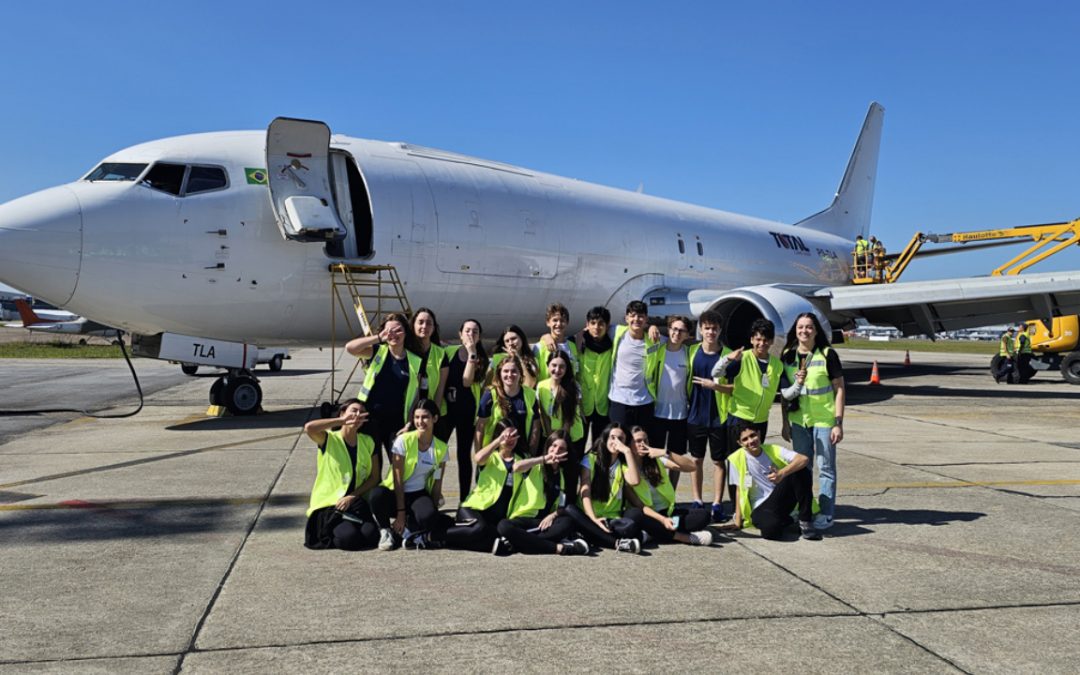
297,159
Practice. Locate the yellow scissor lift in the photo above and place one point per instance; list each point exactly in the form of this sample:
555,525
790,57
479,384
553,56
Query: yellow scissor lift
372,292
1054,345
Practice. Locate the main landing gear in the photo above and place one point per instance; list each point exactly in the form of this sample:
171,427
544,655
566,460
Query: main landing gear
238,391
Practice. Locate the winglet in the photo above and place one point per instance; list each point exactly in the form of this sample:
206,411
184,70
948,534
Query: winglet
29,318
849,213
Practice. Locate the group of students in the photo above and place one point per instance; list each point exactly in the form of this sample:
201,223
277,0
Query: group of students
578,441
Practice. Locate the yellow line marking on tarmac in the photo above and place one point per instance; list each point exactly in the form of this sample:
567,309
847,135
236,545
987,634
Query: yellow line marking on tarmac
956,484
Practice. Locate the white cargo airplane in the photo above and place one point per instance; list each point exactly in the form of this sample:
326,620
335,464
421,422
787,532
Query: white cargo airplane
200,244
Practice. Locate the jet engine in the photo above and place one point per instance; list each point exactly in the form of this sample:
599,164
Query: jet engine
741,306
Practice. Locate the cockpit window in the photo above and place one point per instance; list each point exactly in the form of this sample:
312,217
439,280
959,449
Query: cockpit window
166,177
116,171
204,179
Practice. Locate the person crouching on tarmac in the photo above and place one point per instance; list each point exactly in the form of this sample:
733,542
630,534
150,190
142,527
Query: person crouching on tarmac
410,495
525,529
605,472
347,468
770,482
654,497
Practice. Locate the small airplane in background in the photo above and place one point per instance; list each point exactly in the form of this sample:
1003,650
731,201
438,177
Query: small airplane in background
60,322
203,246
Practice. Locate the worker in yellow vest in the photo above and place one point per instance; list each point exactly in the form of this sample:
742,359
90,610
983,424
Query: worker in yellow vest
1004,363
557,320
607,473
338,514
595,347
1024,371
391,376
862,248
410,495
770,482
636,357
755,377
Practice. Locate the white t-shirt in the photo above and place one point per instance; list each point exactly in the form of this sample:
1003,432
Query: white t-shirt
671,401
425,464
659,503
586,462
628,375
757,471
562,347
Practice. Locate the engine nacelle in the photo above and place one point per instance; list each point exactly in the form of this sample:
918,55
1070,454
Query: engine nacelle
741,306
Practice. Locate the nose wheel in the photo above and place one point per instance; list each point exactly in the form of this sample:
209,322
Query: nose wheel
238,391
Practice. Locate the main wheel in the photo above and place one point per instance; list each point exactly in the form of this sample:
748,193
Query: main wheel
1070,368
276,362
215,391
242,395
189,368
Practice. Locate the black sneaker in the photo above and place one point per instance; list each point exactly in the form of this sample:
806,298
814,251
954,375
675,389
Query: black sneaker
574,547
501,546
809,532
628,546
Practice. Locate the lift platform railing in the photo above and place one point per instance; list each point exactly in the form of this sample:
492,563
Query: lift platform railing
372,291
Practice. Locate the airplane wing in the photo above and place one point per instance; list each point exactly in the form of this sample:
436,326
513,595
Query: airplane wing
928,307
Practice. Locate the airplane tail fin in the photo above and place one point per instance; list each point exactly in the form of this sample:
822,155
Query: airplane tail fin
849,213
29,318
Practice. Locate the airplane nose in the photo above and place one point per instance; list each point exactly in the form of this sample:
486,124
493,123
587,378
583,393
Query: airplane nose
41,244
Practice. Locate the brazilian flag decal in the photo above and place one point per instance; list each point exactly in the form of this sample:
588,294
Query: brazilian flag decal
255,176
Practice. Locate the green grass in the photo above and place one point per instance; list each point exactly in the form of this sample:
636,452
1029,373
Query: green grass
57,350
943,346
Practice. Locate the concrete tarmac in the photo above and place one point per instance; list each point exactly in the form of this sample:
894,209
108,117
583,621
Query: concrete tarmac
170,541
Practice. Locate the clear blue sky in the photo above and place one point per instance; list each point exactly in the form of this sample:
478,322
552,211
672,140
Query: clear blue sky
748,107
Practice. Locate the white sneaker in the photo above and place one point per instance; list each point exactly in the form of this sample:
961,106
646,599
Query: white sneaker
701,538
822,522
501,546
628,546
386,539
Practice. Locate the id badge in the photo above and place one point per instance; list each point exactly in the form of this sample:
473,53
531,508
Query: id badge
424,382
748,482
765,380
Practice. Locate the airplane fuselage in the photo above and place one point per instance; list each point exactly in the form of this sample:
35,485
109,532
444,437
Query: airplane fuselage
469,238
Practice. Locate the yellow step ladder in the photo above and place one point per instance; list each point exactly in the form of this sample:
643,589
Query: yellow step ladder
372,292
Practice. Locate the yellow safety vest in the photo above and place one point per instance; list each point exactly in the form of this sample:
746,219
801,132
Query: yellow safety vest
334,470
750,400
613,507
411,440
497,413
1006,346
817,400
554,412
1023,343
476,387
738,463
644,490
526,496
595,381
376,365
434,373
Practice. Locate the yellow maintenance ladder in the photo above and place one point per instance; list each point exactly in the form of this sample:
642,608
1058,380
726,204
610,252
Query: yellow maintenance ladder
373,291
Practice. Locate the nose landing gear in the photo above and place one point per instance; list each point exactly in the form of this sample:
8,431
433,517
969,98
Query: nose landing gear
238,391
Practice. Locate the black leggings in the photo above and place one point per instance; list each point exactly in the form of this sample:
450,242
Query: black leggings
464,424
774,514
516,531
421,514
571,469
690,520
621,528
479,534
384,430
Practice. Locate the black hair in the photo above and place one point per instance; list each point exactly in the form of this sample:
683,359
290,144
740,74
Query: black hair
600,313
637,307
551,472
567,398
525,356
820,340
711,316
764,328
741,426
406,325
436,339
348,402
481,353
425,404
649,468
600,485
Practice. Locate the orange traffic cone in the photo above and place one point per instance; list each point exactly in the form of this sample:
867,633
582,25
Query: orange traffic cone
907,358
875,378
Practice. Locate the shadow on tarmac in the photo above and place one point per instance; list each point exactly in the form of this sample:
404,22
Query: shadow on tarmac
210,374
279,419
853,520
863,393
168,519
